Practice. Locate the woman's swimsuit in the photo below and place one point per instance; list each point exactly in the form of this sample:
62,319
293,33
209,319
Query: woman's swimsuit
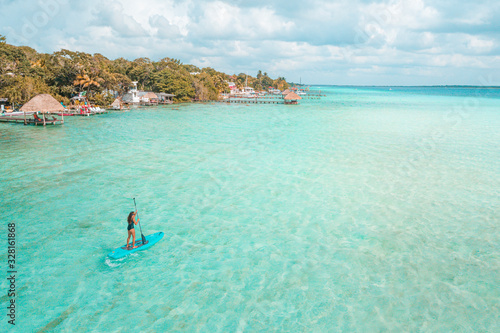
130,226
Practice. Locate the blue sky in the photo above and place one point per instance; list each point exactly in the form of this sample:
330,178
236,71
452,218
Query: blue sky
417,42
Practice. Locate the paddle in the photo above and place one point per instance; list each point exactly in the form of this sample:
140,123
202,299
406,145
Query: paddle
139,220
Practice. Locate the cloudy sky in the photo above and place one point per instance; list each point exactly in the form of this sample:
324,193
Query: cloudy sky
386,42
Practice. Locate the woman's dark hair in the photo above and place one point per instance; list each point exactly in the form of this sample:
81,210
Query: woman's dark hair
129,218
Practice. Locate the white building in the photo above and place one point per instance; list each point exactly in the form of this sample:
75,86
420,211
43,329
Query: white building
248,91
232,87
133,96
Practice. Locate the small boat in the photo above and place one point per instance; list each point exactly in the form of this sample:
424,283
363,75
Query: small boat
11,114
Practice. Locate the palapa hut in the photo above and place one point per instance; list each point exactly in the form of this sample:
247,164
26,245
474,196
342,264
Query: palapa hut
43,103
292,98
150,98
117,104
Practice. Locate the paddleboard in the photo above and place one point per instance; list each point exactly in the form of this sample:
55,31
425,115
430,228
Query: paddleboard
123,251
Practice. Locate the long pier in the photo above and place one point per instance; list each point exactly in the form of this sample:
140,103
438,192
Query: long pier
312,96
253,100
82,113
28,121
266,99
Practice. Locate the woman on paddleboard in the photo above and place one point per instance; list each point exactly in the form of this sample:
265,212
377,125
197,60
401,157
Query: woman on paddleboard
130,228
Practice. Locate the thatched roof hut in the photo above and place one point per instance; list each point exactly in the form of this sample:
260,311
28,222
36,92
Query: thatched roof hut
117,103
43,103
150,96
292,98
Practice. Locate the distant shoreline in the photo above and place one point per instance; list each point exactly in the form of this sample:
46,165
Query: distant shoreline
385,86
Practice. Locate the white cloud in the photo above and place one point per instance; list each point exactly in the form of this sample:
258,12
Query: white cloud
164,29
384,23
384,42
113,16
225,21
480,45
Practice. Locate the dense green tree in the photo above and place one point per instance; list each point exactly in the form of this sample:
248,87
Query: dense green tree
120,65
13,60
205,87
202,92
220,82
241,80
118,82
103,99
173,82
218,79
266,81
24,73
22,88
281,83
65,65
141,71
192,68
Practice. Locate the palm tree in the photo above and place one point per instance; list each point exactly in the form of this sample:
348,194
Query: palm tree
84,81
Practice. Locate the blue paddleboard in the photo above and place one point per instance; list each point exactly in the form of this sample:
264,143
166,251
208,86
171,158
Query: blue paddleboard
123,251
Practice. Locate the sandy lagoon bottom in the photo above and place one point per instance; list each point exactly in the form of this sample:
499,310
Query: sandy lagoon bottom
367,210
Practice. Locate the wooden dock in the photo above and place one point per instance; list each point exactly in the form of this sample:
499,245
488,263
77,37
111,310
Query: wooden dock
81,112
266,99
312,96
253,100
30,121
263,99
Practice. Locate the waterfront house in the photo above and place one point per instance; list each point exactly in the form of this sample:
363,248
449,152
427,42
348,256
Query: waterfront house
132,97
274,91
248,91
164,98
232,87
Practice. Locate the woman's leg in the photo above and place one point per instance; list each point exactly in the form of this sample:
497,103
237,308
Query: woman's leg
133,238
128,238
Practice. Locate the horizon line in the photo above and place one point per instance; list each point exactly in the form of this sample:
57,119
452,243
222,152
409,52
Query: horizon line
401,86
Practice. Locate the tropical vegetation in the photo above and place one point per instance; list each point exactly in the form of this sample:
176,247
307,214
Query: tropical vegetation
24,73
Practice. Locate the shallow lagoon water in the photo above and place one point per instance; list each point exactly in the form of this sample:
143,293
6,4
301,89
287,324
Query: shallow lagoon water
368,210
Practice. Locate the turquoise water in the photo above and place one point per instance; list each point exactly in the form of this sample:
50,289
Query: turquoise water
368,210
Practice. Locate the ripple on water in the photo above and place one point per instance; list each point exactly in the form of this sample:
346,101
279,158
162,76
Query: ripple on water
338,214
